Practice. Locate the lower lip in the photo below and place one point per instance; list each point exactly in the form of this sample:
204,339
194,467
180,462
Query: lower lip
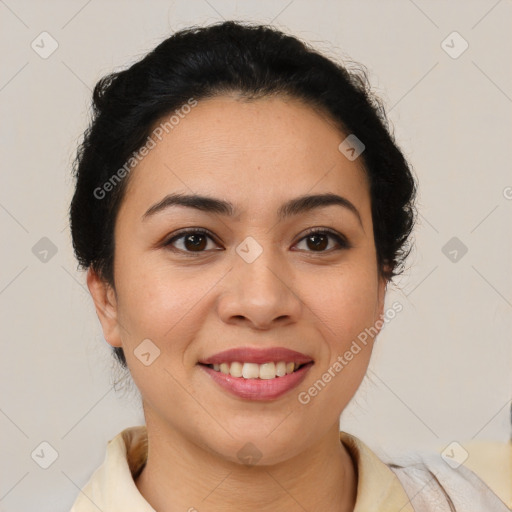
258,389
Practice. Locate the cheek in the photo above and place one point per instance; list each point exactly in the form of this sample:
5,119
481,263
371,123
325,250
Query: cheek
345,308
157,308
345,302
153,304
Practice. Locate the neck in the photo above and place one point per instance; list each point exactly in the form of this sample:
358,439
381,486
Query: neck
180,475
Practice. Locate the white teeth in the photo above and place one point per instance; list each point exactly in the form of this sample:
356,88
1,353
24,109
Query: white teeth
281,369
267,371
236,369
264,371
250,371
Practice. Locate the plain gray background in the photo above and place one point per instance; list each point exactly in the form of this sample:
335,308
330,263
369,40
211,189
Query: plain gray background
441,369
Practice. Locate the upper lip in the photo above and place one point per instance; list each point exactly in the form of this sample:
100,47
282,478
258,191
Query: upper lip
257,355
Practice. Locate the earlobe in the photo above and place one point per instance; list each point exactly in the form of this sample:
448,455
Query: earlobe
106,307
381,296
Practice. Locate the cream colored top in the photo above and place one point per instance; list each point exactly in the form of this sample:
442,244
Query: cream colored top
112,487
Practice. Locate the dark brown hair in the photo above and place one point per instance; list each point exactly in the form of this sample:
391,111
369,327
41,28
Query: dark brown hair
254,61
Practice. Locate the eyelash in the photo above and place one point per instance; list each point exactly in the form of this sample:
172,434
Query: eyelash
341,240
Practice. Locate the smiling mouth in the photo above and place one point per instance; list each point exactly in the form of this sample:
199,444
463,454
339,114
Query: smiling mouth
265,371
258,382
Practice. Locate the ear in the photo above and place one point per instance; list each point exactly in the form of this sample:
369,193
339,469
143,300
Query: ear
381,296
104,298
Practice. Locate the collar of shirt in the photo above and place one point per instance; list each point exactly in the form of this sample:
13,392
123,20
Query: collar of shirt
112,485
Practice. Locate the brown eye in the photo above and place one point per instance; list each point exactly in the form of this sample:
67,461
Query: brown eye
190,241
319,240
195,242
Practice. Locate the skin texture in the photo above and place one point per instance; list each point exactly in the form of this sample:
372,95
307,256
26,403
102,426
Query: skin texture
257,155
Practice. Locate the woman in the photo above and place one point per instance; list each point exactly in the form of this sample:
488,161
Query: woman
240,208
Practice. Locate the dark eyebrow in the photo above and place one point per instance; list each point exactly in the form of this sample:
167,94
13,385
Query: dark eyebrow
213,205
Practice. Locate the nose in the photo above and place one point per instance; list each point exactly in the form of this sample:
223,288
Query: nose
259,295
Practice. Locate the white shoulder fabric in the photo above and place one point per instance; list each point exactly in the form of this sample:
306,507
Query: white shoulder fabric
433,486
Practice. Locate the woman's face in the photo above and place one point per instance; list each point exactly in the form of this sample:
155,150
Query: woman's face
256,280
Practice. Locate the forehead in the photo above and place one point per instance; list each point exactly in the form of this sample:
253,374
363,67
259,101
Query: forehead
253,152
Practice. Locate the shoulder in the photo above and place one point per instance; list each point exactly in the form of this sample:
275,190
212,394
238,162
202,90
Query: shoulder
112,485
433,483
